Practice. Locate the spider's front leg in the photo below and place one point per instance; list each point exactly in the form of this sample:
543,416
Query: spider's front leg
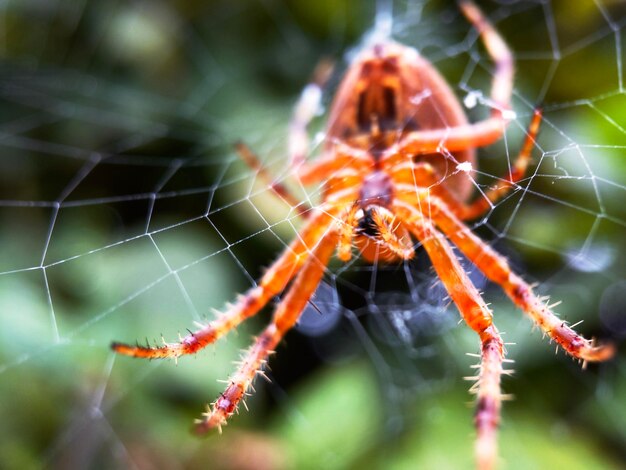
272,283
497,269
305,110
479,318
285,316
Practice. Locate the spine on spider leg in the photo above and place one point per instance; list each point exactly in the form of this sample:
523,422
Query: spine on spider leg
245,307
558,330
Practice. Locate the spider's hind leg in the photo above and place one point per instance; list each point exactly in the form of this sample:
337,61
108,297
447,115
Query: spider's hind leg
305,110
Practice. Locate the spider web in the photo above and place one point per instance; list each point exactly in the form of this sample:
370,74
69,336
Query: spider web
125,213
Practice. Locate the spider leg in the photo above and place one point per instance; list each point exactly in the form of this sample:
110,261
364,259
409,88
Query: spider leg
452,139
285,316
339,158
497,269
478,317
484,132
488,397
272,283
410,176
502,84
298,145
346,232
305,110
423,174
517,172
252,160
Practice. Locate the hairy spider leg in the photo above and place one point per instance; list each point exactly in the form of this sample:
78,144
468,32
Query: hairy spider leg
484,132
285,316
340,157
517,171
272,283
497,269
410,176
253,161
423,174
478,317
306,109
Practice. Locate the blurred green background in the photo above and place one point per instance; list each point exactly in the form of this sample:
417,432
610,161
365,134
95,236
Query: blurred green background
124,214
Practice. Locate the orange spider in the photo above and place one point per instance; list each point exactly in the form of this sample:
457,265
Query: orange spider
396,162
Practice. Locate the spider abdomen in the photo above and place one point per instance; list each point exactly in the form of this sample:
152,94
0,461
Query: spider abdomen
389,91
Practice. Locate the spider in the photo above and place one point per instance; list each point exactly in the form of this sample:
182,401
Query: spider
396,166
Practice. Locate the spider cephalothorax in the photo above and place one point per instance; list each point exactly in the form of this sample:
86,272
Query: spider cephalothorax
396,171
